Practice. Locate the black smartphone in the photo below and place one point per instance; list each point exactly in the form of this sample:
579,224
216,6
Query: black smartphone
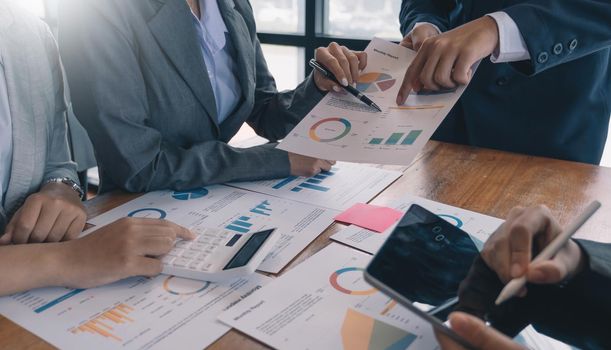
421,266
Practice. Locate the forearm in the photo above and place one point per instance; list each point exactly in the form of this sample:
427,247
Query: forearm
441,13
204,164
29,266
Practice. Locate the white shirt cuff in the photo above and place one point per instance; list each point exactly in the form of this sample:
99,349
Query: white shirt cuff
418,24
512,47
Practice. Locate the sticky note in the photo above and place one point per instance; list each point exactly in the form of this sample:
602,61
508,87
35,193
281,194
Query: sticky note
371,217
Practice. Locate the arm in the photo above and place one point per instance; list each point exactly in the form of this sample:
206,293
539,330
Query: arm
573,28
441,13
59,164
125,248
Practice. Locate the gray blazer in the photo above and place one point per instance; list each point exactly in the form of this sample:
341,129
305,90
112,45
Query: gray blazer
38,108
140,87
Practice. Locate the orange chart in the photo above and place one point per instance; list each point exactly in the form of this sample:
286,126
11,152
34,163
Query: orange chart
375,82
105,323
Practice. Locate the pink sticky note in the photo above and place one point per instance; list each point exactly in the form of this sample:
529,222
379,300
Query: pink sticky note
371,217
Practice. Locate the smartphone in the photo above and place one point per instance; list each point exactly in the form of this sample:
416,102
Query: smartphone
421,266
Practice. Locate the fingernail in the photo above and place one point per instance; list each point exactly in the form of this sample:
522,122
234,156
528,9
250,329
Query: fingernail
516,270
337,88
345,82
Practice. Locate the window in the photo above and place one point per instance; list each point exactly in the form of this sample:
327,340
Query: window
363,19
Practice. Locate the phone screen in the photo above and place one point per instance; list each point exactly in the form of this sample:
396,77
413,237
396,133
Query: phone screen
424,260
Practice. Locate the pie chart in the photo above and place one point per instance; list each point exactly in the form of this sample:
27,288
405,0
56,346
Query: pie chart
191,194
375,82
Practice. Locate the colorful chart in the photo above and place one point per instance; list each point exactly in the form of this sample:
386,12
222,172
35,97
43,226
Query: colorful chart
336,127
105,323
394,139
358,274
262,209
240,225
152,213
183,286
452,219
191,194
362,332
375,82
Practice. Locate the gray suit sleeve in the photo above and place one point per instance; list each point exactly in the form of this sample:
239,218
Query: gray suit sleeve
58,163
275,113
110,99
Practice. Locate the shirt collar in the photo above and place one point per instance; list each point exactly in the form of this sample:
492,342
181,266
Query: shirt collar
212,25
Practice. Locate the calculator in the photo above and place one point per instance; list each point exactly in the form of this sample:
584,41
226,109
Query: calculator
217,255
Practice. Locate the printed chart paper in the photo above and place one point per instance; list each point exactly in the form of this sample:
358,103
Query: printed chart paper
324,303
235,210
139,313
342,128
478,226
339,189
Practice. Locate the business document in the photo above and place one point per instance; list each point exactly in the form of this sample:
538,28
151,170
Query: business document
235,210
165,312
343,128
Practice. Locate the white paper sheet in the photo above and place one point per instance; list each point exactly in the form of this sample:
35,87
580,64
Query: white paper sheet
324,303
479,226
237,210
342,128
139,313
339,189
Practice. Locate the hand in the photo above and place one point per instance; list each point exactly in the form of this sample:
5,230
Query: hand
445,61
476,333
416,37
509,250
308,166
345,64
54,214
128,247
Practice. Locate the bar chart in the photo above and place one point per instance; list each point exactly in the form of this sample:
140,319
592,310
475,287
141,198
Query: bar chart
315,182
240,225
397,138
262,209
105,323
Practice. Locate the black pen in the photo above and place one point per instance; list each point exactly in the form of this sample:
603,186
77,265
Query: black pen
354,92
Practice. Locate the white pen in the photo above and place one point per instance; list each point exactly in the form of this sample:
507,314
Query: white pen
514,286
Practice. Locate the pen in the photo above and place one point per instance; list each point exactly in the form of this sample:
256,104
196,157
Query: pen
552,249
354,92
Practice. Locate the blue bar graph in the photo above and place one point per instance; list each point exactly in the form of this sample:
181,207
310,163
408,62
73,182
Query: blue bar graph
284,182
296,189
262,209
314,187
242,224
58,300
313,181
319,177
237,228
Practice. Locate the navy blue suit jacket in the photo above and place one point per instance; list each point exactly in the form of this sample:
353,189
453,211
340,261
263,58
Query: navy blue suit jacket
554,105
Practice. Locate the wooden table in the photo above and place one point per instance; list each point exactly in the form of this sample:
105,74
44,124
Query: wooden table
486,181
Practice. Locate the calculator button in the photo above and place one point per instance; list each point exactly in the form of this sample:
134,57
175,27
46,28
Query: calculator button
183,244
198,246
181,262
204,239
189,254
176,252
194,265
202,256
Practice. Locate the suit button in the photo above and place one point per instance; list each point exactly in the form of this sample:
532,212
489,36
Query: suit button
542,58
558,49
501,81
573,44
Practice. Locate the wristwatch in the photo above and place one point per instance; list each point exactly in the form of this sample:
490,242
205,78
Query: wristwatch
70,183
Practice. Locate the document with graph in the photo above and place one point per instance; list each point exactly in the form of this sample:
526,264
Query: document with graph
324,303
478,226
341,127
339,189
236,210
138,313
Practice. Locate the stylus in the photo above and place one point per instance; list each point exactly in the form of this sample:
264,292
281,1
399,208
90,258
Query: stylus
548,252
